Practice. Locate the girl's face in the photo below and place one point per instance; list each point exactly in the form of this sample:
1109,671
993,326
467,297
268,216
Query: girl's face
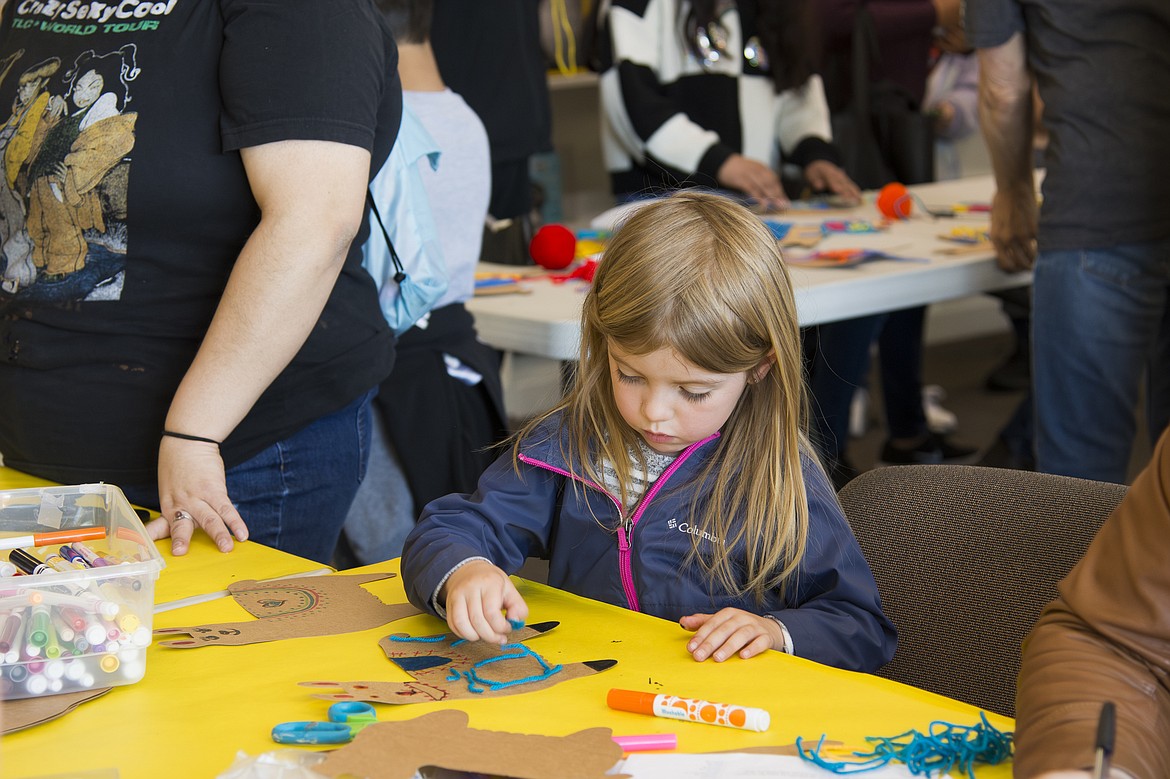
669,400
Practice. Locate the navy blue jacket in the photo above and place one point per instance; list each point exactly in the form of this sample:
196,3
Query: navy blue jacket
633,559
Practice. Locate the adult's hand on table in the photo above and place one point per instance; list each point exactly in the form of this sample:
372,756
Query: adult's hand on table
192,493
754,179
824,176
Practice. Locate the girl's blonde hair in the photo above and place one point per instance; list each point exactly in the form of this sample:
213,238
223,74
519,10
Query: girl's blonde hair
700,274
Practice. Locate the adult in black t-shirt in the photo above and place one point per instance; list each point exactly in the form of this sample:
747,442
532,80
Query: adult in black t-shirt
183,202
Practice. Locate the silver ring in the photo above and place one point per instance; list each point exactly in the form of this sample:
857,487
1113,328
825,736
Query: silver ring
180,514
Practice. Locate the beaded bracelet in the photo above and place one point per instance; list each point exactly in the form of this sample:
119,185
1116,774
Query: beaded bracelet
185,437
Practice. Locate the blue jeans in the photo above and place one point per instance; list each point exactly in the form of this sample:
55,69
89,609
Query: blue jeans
383,513
295,494
1100,320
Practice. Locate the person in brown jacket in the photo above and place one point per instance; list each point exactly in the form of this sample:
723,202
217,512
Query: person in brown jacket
1105,638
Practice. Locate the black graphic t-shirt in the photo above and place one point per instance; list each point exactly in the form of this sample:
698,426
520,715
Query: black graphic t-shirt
124,205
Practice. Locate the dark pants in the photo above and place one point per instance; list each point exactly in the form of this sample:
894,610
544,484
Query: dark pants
837,361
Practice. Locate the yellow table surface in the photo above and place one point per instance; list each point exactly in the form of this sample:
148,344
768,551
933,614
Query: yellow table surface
15,480
197,708
205,570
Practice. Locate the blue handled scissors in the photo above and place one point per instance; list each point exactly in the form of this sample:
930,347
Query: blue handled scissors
345,720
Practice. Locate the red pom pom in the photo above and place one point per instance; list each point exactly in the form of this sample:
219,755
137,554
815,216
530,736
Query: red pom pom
894,201
553,247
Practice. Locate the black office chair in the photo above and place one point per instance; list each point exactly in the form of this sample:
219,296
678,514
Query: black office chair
965,559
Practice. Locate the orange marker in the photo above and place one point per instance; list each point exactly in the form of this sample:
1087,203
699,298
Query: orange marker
673,707
54,537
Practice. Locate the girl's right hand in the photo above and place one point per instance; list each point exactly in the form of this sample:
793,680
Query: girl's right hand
480,600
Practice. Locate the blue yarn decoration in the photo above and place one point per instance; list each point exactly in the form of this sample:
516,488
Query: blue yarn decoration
471,683
475,682
946,747
474,677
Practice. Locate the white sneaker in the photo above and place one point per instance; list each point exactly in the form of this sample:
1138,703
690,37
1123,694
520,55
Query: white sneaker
859,412
939,420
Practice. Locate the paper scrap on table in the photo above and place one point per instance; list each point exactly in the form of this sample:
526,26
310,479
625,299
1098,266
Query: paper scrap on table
737,765
445,740
844,258
295,608
27,712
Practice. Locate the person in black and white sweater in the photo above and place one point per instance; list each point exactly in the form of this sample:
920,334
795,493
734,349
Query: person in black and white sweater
714,93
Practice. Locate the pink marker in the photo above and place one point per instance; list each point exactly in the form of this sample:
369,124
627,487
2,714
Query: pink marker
90,556
648,742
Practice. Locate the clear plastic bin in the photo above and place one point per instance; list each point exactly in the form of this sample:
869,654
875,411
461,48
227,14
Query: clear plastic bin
84,627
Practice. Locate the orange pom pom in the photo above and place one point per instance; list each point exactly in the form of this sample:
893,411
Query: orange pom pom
894,201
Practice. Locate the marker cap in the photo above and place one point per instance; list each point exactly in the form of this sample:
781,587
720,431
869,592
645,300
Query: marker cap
631,700
37,685
757,719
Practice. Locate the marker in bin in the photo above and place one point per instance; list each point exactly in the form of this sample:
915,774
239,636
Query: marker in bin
73,556
27,563
674,707
90,556
54,537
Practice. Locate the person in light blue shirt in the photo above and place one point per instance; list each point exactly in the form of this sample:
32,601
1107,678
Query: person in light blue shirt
441,409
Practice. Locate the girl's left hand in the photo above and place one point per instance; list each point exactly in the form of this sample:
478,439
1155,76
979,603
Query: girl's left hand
728,631
824,176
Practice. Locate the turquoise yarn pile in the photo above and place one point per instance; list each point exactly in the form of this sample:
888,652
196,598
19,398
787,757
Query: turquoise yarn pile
943,748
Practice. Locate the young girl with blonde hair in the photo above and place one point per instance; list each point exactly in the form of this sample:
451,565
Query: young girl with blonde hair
676,477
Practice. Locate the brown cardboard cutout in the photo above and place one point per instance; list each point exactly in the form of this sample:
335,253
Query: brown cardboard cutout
803,236
26,712
396,750
446,667
296,608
